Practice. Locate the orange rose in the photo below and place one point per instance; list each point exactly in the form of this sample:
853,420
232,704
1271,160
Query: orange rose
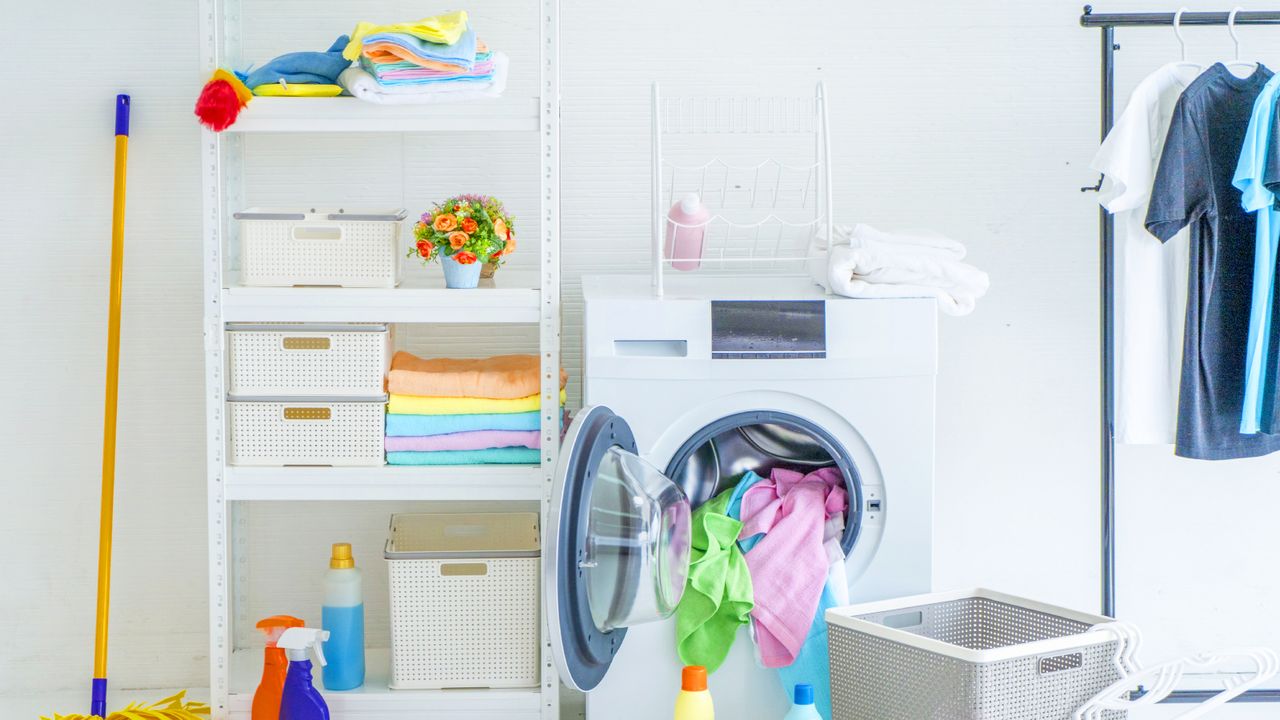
511,243
495,256
468,225
444,222
424,248
457,239
500,228
464,258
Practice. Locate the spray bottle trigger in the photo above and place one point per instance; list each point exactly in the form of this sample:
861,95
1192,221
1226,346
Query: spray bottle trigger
321,638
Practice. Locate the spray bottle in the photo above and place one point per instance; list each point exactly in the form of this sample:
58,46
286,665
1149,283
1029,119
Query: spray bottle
266,701
301,700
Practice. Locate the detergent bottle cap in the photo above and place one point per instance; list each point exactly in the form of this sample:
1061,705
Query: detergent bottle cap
297,641
275,625
804,694
690,202
693,678
340,558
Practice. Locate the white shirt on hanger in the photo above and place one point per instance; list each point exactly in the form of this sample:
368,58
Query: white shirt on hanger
1151,277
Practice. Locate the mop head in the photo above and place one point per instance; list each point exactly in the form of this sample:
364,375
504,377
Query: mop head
221,99
176,707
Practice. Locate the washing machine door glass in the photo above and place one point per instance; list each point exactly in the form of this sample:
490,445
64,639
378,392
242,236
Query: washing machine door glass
617,547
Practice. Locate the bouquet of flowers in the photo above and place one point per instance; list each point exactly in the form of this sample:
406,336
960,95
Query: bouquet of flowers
466,228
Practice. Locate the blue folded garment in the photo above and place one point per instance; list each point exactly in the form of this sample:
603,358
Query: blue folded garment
422,425
492,456
318,68
461,53
382,78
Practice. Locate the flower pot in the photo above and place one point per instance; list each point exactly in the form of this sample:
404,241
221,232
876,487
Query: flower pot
488,270
457,275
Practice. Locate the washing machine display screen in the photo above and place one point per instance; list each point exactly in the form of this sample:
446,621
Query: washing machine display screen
768,329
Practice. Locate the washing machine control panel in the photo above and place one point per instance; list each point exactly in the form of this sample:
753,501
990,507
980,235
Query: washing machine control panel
768,329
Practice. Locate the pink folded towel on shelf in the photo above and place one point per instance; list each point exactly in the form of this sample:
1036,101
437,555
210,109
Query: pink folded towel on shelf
789,565
473,440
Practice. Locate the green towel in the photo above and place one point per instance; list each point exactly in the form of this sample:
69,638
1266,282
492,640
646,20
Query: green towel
717,596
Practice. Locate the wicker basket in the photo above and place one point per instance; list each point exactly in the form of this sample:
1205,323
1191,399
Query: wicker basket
308,360
283,248
973,655
464,600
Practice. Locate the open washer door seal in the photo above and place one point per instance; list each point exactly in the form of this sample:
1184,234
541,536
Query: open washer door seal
617,546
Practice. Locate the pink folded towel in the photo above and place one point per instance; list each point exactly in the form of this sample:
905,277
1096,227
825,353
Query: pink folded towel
789,565
472,440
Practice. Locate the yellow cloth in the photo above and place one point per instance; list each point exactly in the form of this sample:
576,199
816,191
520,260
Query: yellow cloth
444,29
415,405
297,90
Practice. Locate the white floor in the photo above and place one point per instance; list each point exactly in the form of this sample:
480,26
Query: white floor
32,707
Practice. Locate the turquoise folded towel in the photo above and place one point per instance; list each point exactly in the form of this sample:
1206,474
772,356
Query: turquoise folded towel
492,456
422,425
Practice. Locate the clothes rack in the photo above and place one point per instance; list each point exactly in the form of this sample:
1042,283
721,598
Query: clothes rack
1107,23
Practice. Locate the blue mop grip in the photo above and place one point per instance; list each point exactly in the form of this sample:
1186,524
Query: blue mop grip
98,703
122,115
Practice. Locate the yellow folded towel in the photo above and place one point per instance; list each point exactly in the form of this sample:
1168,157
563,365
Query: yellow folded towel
444,29
415,405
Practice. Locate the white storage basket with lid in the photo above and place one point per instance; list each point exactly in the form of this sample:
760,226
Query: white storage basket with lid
313,431
348,360
283,248
967,655
464,600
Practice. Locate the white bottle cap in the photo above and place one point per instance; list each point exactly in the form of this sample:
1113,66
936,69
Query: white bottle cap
690,203
298,640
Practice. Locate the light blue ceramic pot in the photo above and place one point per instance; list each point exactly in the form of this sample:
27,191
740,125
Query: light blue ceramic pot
457,275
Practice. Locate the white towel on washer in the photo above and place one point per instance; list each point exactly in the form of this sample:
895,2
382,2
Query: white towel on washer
918,241
920,266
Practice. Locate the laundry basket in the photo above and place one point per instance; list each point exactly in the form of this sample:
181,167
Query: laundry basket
308,360
968,655
464,600
290,431
283,248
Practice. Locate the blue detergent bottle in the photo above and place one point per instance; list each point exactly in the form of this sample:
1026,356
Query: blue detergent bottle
802,708
343,617
300,699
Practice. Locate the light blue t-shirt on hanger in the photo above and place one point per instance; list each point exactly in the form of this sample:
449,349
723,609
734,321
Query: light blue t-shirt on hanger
1261,201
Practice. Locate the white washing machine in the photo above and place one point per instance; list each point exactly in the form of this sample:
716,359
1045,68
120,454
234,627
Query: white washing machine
683,394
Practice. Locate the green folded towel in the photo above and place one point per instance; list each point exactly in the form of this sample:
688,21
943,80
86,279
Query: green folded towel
718,595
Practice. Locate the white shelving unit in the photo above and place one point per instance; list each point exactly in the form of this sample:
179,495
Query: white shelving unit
529,297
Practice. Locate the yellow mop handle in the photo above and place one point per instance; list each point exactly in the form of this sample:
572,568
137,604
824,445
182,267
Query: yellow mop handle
113,391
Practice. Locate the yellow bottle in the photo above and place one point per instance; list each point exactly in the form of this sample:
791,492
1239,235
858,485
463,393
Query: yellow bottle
694,700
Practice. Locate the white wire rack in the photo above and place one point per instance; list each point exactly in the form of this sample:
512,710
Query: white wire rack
759,165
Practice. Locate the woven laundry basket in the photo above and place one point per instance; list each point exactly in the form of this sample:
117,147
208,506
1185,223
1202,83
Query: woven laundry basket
283,248
280,431
464,600
347,360
968,655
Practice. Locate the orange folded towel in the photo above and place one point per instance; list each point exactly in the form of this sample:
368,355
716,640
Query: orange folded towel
502,377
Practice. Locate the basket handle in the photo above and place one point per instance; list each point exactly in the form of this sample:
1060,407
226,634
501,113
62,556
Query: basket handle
1163,680
318,233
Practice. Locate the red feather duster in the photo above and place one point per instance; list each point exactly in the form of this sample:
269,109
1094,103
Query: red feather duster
220,101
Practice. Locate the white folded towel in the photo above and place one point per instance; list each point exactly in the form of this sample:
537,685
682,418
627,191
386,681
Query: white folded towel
361,84
885,265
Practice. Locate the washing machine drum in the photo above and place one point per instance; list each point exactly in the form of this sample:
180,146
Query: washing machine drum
618,547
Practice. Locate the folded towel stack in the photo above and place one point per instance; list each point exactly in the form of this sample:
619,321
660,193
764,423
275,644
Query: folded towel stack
429,60
464,412
864,262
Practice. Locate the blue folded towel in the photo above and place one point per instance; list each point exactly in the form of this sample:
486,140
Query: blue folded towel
461,53
492,456
317,68
422,425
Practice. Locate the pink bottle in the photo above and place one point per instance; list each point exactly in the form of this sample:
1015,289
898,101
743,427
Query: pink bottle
686,227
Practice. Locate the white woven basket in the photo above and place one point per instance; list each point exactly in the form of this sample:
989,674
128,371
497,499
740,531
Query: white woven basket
308,360
277,432
283,248
464,600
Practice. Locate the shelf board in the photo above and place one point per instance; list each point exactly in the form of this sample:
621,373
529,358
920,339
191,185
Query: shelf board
348,114
510,297
375,701
389,482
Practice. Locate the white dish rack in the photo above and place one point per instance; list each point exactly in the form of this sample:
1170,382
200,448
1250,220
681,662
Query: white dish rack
766,215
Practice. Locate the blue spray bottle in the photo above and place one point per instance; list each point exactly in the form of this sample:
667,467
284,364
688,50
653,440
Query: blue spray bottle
301,700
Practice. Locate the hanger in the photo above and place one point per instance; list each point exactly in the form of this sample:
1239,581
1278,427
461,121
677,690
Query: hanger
1182,43
1238,63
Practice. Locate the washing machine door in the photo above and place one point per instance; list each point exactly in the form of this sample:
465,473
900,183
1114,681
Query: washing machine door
617,546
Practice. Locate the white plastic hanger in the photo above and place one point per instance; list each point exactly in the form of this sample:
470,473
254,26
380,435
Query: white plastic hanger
1182,43
1246,68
